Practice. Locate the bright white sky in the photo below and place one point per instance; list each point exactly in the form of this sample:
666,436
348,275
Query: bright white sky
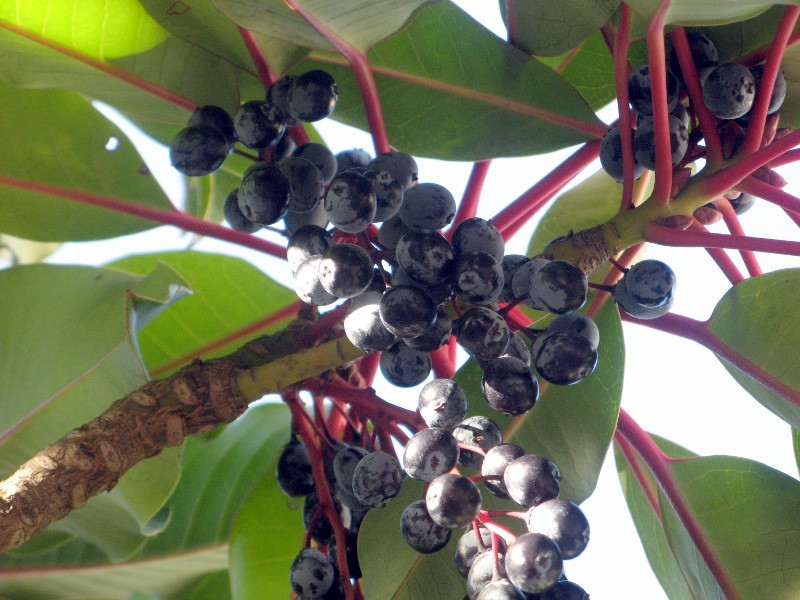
673,387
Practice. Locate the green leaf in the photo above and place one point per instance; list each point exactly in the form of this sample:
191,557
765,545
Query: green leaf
205,196
571,425
66,353
790,65
703,12
590,70
360,23
759,320
748,513
258,563
408,575
214,585
229,294
482,97
648,522
796,446
60,140
551,27
41,50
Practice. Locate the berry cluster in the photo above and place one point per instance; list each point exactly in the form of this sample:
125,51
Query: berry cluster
410,290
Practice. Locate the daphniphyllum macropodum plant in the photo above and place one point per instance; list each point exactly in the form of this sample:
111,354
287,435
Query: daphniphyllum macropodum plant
134,462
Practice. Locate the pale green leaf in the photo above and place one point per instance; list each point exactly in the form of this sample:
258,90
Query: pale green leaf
703,12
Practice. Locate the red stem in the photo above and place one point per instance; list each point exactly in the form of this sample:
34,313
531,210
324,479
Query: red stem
698,332
468,207
658,88
234,336
658,463
721,258
621,47
178,219
785,159
511,22
361,70
735,227
514,216
708,124
758,116
443,367
726,179
368,367
666,236
485,520
770,193
649,491
265,73
107,68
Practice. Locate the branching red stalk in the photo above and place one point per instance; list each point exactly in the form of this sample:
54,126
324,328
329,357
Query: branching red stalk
361,70
658,88
758,115
735,227
699,332
175,218
468,207
666,236
707,122
265,73
658,463
443,367
620,53
504,533
368,367
650,492
103,66
770,193
513,216
785,159
235,336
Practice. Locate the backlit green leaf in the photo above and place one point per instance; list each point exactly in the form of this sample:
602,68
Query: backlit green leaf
703,12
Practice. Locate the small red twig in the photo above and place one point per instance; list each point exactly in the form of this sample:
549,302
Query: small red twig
735,227
687,238
770,193
265,73
658,86
468,207
164,217
621,69
658,463
650,492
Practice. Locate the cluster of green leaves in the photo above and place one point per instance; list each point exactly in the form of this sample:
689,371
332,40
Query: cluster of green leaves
208,520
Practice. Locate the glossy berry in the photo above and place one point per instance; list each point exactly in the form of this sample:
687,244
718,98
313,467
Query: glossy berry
500,589
778,91
363,325
558,287
510,264
305,182
258,124
347,159
704,55
295,220
420,531
388,194
407,311
628,303
429,453
477,278
644,142
639,92
564,358
452,500
469,547
576,323
234,217
477,431
478,235
440,293
611,155
427,207
518,348
425,256
322,529
307,241
198,150
483,333
312,96
405,367
742,203
521,282
533,562
307,285
376,479
278,94
400,165
563,522
294,470
563,590
391,231
532,479
320,156
311,574
442,403
729,91
345,270
509,386
344,465
351,548
650,282
350,202
494,465
264,194
435,337
482,572
217,118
